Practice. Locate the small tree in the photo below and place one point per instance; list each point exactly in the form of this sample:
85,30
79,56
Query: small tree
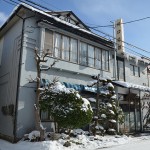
40,58
66,106
108,112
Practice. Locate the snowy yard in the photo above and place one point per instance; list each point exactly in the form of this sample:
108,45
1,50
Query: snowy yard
83,143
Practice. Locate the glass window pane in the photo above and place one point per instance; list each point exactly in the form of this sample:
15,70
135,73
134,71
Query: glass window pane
120,70
83,54
90,56
65,48
44,115
57,45
48,42
132,70
97,58
107,61
136,70
103,60
73,50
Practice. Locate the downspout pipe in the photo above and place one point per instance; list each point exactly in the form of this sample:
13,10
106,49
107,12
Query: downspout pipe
15,139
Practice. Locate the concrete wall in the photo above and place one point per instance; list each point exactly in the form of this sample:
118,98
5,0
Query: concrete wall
26,100
135,79
9,76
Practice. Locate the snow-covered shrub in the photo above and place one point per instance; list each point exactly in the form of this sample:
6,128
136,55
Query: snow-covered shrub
109,113
66,106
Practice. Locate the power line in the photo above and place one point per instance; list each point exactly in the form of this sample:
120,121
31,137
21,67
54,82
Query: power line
50,4
12,2
36,4
132,21
122,41
93,29
136,20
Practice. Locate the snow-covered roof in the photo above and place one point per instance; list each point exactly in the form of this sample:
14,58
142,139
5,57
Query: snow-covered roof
132,86
56,19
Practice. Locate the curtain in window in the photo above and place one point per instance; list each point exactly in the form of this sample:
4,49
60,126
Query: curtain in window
65,48
73,50
48,42
57,45
90,56
83,54
97,58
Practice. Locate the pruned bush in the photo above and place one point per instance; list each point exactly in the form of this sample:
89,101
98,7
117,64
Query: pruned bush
66,106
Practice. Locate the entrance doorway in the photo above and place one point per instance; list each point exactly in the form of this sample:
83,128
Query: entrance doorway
130,104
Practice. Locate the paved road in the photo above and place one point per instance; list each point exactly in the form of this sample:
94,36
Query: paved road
140,145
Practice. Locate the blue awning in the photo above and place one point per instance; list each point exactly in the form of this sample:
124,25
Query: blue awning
80,87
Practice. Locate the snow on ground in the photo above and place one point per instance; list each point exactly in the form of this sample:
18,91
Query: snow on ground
83,142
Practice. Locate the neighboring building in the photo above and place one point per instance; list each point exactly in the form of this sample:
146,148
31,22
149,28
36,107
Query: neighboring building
80,52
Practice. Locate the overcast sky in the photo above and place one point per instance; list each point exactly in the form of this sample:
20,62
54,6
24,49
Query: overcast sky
101,12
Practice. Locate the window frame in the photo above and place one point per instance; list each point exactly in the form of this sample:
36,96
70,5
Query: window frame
133,71
104,62
48,118
118,73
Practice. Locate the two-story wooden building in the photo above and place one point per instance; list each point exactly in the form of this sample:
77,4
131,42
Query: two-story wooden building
80,52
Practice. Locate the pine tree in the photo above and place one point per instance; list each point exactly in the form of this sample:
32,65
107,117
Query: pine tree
109,114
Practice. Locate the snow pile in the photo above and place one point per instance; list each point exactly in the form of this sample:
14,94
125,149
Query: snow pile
33,135
58,87
82,142
131,85
103,116
92,99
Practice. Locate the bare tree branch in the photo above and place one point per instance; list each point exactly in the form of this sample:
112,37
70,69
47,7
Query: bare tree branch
46,69
31,80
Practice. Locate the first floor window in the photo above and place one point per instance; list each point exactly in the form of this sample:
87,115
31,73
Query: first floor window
45,116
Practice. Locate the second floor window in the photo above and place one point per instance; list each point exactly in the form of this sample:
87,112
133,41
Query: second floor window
68,49
94,57
135,70
120,69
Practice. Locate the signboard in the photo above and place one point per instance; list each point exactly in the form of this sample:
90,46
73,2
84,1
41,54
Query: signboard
119,36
